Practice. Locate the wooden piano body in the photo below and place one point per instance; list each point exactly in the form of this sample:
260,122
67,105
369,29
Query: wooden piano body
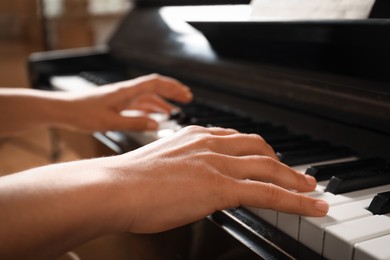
343,108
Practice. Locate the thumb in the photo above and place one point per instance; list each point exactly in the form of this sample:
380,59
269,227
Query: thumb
139,123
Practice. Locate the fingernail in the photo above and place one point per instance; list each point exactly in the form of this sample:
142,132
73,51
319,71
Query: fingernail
310,180
189,95
151,125
322,206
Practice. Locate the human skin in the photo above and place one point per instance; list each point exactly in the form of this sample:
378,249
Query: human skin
91,110
174,181
169,183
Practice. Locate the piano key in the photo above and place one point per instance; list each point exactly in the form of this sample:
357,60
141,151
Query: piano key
103,77
289,223
340,238
380,204
253,210
325,172
373,249
314,155
221,121
175,115
352,182
271,216
303,167
312,230
71,83
307,144
289,138
271,136
262,129
186,117
268,215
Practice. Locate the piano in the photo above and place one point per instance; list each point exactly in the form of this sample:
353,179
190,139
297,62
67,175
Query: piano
328,116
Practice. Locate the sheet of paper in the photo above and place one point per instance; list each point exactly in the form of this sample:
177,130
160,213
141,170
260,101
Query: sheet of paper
310,9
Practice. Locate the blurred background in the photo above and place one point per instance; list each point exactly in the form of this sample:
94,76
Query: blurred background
29,26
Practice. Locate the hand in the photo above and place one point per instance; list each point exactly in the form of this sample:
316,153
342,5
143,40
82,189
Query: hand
197,171
101,109
172,182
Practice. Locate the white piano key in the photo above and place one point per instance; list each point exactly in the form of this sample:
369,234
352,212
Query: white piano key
71,83
373,249
311,230
271,216
340,239
302,168
251,209
268,215
289,223
165,128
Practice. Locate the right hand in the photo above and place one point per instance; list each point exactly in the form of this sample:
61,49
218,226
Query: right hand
197,171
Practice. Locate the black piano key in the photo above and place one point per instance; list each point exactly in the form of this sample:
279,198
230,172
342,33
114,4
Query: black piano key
202,117
229,124
293,146
260,127
195,110
103,77
290,138
221,121
176,115
325,172
277,139
278,146
380,204
351,182
306,156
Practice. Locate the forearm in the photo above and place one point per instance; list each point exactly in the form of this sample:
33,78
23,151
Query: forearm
24,109
49,210
163,185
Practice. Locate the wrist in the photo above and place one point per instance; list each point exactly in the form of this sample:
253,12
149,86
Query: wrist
100,194
58,110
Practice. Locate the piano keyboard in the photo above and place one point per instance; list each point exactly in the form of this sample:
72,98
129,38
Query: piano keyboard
357,189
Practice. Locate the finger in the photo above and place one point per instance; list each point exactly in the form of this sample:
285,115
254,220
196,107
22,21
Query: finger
153,103
265,169
164,86
221,131
207,132
134,123
242,144
269,196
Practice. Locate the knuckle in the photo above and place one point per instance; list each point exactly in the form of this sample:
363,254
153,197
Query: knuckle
268,163
301,202
192,128
225,192
203,156
209,141
273,194
154,76
258,139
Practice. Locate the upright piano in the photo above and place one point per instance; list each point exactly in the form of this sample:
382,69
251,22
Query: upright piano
317,91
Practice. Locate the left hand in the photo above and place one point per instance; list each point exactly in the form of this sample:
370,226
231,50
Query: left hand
100,109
